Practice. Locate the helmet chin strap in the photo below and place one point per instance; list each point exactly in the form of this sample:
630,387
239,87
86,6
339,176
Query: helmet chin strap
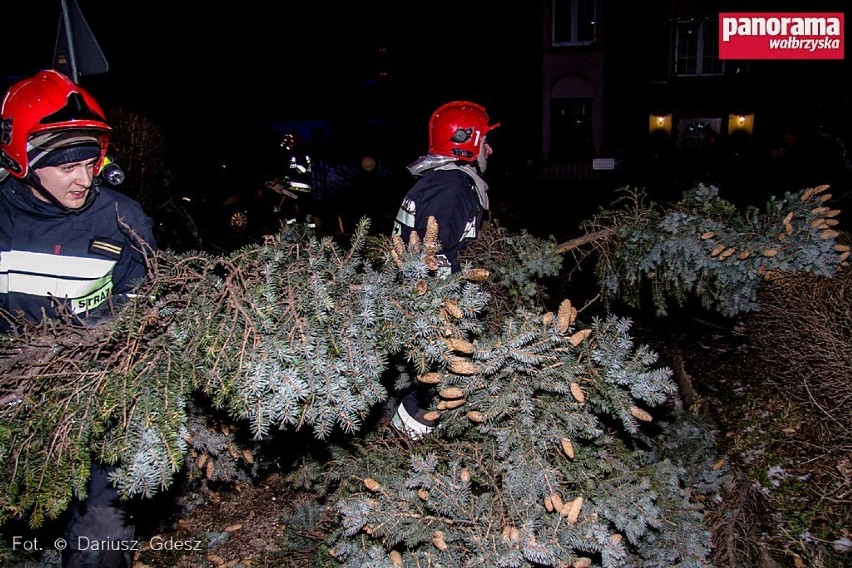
32,180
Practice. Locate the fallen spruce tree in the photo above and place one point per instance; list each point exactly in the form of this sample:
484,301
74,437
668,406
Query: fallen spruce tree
540,457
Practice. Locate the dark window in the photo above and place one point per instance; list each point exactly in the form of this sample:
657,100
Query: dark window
697,48
574,22
571,129
695,131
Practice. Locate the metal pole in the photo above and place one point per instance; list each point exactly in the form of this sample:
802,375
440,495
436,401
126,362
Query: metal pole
72,57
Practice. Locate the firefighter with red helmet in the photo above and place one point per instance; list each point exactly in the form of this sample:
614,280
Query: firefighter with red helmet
68,247
449,188
450,185
73,239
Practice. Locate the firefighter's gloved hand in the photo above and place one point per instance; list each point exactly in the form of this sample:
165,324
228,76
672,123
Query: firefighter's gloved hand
409,417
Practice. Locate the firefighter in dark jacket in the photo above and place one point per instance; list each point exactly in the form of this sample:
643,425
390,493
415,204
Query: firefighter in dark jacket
68,248
450,188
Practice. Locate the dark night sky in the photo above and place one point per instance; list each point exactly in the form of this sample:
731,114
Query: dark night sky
190,65
205,72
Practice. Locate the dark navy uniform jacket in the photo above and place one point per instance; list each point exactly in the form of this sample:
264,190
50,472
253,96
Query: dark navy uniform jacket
51,260
449,196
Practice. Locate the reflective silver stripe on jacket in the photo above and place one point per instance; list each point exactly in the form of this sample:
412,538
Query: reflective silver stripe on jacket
86,282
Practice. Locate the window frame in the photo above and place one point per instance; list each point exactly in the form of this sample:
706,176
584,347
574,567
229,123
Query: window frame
558,8
707,39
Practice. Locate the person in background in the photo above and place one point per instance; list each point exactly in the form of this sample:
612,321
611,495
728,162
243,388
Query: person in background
69,249
449,188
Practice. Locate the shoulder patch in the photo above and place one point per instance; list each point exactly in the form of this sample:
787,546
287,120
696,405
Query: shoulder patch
109,248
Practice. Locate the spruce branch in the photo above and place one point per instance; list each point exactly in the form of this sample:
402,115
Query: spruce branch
703,247
294,333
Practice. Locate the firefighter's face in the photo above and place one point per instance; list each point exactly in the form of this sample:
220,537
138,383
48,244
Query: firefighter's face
484,151
69,183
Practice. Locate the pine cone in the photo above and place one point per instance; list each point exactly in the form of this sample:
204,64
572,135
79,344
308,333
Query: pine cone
475,416
396,258
578,393
640,414
572,510
477,275
567,447
398,246
510,534
451,392
460,345
451,404
566,315
414,240
453,308
556,500
232,449
421,287
431,261
429,378
579,337
461,366
438,536
431,238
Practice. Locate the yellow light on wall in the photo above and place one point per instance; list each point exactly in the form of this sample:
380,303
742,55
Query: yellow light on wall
742,123
660,123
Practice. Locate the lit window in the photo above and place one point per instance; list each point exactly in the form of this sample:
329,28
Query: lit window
574,22
697,48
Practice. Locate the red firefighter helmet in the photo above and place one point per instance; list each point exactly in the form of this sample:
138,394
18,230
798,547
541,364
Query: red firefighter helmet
457,129
48,111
